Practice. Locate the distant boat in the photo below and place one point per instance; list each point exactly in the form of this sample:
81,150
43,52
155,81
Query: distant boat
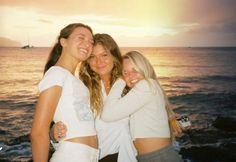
26,47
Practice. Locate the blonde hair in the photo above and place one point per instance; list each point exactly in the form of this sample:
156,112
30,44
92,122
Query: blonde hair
144,67
92,80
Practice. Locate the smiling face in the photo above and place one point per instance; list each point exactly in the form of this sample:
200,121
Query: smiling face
79,44
130,73
101,61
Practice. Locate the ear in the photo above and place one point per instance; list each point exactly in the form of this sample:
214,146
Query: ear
63,42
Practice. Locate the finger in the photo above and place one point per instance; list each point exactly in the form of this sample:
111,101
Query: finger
58,138
62,126
61,132
178,127
62,136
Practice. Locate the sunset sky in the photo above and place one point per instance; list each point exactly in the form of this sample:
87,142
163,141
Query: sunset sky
129,22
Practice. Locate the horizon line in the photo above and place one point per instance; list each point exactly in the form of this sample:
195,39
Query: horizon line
136,46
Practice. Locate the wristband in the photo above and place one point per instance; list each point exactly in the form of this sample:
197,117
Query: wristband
51,135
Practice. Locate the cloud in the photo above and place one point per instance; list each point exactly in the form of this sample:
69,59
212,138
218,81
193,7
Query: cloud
5,42
171,22
45,21
133,9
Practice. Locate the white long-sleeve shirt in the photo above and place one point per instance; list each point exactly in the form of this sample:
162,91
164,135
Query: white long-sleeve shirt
114,137
145,105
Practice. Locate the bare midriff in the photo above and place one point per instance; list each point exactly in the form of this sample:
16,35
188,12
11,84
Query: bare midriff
147,145
87,140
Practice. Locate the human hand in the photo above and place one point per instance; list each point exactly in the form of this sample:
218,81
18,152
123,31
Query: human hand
179,124
176,128
184,122
59,131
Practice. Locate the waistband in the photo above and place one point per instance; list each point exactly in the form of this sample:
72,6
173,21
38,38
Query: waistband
155,153
75,145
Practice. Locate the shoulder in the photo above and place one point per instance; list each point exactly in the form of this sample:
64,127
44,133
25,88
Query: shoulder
150,87
56,71
146,85
54,76
119,83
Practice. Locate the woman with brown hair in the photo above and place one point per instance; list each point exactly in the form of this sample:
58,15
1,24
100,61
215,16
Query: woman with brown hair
64,97
99,72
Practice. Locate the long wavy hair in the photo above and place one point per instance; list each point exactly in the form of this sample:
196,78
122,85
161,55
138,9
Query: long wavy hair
92,80
144,67
57,48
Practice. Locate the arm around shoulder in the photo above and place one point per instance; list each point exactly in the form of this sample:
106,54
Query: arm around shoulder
117,107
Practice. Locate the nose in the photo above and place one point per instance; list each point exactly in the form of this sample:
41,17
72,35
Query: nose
130,75
98,60
87,44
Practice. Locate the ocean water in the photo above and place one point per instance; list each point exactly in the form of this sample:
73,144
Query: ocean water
200,82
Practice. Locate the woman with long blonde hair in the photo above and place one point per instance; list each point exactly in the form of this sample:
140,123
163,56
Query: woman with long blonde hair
144,101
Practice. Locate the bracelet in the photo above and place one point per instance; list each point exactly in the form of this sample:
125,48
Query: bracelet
51,136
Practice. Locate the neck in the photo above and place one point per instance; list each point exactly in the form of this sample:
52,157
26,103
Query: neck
106,79
107,82
67,63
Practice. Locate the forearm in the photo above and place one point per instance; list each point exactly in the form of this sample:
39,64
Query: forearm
40,147
111,101
117,107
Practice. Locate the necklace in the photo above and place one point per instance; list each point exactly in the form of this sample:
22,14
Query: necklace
107,86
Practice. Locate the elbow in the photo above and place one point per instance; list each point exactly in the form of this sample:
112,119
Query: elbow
106,118
36,134
33,135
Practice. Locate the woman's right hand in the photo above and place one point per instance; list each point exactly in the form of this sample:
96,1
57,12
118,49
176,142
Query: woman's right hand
59,131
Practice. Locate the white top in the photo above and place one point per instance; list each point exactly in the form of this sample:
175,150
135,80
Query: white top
114,137
146,105
73,108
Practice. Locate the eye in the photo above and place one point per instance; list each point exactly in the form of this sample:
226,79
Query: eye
80,37
104,54
91,42
91,57
134,70
124,73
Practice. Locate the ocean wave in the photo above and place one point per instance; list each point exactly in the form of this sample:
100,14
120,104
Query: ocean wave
200,144
224,102
209,153
191,66
231,78
205,96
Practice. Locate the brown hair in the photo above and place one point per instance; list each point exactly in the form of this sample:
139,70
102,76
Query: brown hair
57,48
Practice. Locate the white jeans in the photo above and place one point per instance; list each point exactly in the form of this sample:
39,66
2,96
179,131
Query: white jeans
74,152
